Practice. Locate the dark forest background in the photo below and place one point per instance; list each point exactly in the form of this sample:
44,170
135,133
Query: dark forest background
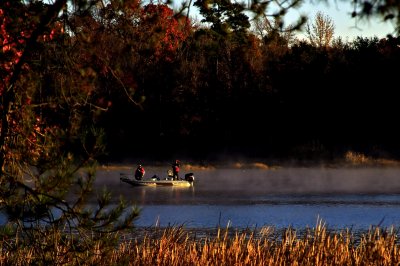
227,90
162,85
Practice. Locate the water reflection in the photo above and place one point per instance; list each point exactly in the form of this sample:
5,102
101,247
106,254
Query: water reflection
160,195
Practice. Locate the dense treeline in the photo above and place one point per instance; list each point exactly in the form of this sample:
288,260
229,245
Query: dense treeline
161,85
223,88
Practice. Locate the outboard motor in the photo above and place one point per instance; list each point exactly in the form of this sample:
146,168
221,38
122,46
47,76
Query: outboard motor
189,177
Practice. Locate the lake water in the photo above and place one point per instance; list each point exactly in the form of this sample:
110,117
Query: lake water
354,198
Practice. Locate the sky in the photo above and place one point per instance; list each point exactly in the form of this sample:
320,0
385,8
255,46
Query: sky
340,13
345,26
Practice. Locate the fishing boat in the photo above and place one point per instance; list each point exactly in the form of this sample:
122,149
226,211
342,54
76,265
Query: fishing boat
158,182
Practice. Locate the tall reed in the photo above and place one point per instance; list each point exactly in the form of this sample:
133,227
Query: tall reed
179,246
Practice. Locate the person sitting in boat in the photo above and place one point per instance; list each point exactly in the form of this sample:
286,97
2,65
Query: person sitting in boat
139,173
175,170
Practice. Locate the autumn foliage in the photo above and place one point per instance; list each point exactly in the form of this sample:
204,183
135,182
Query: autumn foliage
164,31
12,41
48,142
23,128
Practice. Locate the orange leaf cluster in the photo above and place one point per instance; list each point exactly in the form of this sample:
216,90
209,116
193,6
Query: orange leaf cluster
169,31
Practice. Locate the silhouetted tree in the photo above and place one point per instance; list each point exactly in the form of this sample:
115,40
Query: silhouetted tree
224,16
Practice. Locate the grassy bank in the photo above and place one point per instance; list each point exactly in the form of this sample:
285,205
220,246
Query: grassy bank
348,159
179,246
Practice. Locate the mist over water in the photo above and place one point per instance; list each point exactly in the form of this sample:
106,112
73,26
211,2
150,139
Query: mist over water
282,197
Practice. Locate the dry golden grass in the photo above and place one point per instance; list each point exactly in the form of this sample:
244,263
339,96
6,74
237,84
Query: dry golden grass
357,158
196,167
317,247
176,246
116,167
186,167
253,165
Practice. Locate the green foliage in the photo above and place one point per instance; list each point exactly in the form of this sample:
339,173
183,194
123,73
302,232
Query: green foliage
224,16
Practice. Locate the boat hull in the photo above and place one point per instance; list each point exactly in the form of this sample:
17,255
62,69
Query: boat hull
155,183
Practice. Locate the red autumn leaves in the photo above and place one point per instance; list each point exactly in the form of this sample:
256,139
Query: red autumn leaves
166,30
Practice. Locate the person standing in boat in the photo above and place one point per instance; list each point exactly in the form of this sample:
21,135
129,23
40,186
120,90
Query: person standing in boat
176,169
139,173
